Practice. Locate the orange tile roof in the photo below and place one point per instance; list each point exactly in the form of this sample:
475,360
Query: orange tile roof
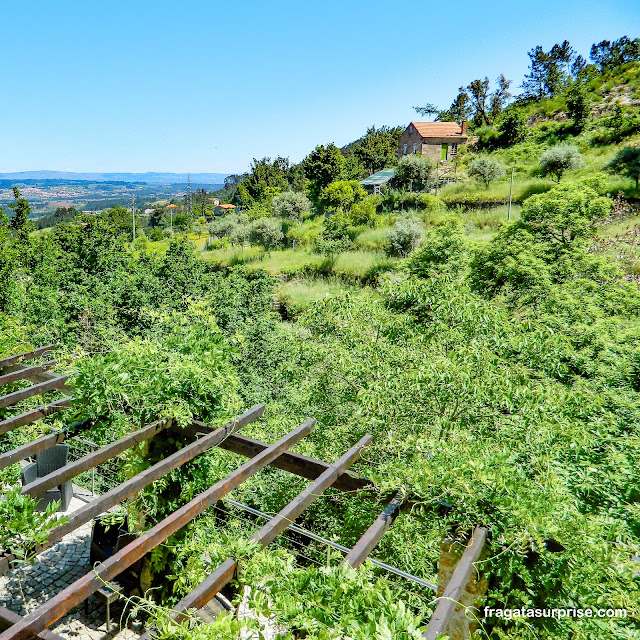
439,129
226,206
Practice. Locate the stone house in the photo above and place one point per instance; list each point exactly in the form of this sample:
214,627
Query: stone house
437,140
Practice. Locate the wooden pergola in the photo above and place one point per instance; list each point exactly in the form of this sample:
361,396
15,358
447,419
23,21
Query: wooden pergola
201,438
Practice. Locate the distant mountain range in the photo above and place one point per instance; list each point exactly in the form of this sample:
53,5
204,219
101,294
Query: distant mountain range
149,178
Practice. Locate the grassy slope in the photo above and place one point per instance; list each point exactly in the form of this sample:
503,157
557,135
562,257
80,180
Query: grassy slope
308,276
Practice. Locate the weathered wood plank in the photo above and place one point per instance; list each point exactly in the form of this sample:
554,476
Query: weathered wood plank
34,414
31,448
146,477
212,584
29,355
464,571
82,588
37,377
27,372
294,463
91,460
35,390
8,617
367,543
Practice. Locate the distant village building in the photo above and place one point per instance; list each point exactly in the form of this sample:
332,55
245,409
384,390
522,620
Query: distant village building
222,209
436,140
148,212
215,201
374,182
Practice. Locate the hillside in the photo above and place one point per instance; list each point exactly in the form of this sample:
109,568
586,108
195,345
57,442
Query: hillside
491,352
146,178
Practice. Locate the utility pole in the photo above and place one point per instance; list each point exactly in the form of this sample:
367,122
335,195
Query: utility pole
133,216
510,194
189,203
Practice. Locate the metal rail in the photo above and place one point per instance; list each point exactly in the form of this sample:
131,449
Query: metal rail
335,545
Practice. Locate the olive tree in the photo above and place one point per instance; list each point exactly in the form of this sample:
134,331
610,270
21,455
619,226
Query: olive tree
404,236
559,159
415,172
485,170
291,204
266,232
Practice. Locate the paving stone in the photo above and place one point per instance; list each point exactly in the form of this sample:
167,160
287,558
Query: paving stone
54,570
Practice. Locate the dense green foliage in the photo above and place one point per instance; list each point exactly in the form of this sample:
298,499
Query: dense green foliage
495,364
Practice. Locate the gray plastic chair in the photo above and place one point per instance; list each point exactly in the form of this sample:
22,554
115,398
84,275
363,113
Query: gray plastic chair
46,462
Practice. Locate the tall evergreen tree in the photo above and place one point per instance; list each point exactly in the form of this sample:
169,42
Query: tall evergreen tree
20,220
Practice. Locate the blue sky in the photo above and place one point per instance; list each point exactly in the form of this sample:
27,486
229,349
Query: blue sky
157,85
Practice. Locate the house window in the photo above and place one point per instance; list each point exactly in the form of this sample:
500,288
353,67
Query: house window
415,146
410,129
454,149
404,149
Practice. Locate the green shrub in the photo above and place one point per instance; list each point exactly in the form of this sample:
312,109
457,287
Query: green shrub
444,249
404,236
364,212
627,162
342,194
414,172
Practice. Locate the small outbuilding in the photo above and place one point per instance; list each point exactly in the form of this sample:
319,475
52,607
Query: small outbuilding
436,140
374,182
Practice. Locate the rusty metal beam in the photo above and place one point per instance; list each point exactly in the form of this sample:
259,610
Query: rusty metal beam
29,355
31,448
374,533
35,390
27,372
146,477
34,414
462,574
91,460
74,594
292,462
211,585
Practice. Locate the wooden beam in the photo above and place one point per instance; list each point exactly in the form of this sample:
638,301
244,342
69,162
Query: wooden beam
27,372
35,390
369,540
462,574
294,463
91,460
146,477
75,593
8,617
211,585
280,522
34,414
29,355
31,448
37,377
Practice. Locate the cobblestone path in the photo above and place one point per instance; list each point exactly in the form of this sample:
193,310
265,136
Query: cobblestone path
25,588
